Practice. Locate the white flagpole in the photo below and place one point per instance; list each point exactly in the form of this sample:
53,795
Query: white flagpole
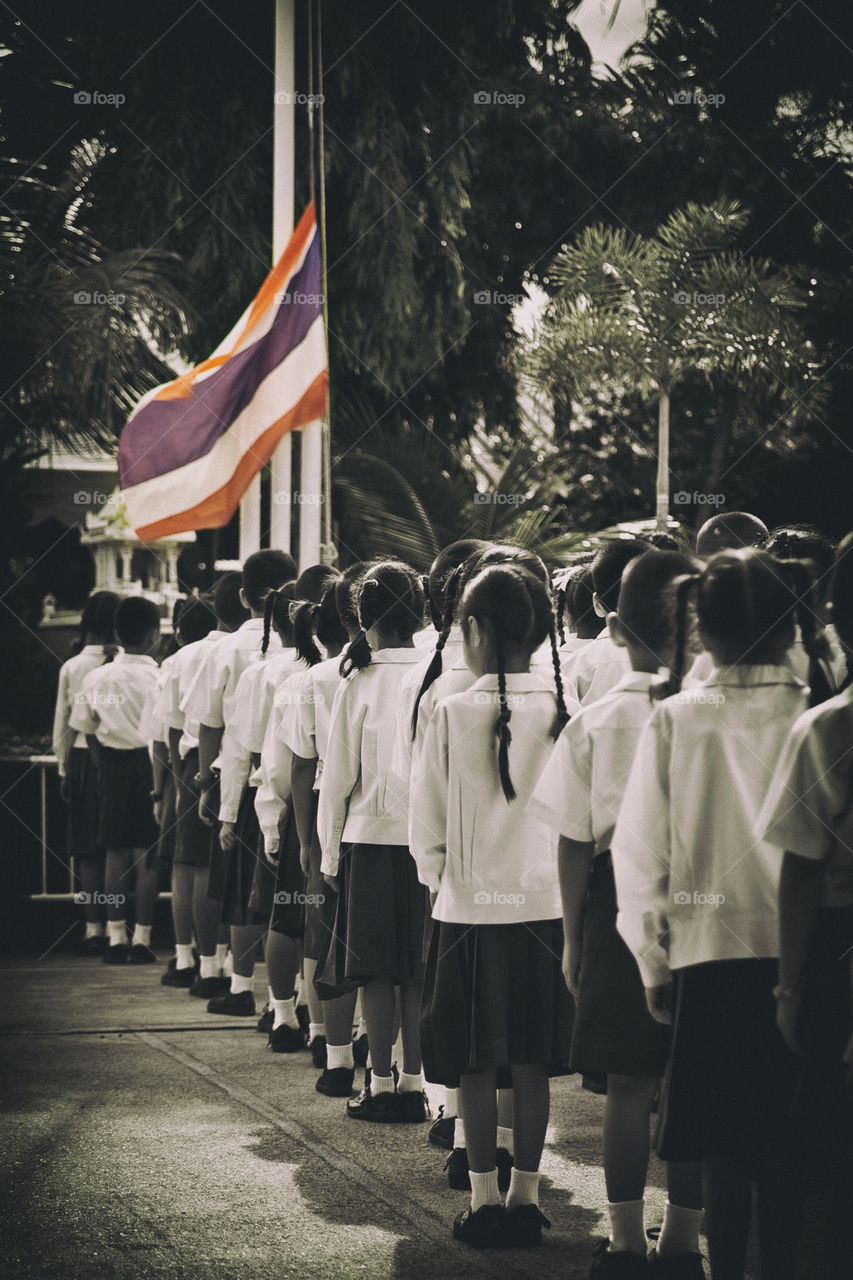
282,229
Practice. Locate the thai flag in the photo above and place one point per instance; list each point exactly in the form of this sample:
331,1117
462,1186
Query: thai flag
191,448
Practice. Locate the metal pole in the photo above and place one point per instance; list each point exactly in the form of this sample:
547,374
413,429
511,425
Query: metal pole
282,230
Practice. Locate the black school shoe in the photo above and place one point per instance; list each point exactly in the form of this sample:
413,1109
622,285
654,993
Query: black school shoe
523,1226
118,954
458,1173
413,1107
441,1131
318,1052
336,1082
266,1020
239,1005
485,1229
360,1050
178,978
207,988
623,1265
681,1266
140,954
381,1108
91,947
286,1039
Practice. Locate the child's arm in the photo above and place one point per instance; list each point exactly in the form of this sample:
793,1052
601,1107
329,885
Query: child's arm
800,894
302,774
159,768
428,803
175,750
574,861
63,734
341,772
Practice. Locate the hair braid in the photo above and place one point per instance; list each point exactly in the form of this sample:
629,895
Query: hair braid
269,605
684,584
502,729
562,717
303,633
436,665
560,607
357,656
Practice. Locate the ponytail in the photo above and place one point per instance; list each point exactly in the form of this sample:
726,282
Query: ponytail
562,717
303,633
435,667
269,605
502,729
802,585
560,606
357,656
671,684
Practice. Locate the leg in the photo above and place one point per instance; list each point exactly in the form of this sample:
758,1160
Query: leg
206,913
410,1024
92,884
531,1107
282,954
315,1004
338,1017
147,882
479,1108
115,883
780,1212
626,1136
728,1209
379,998
183,875
244,944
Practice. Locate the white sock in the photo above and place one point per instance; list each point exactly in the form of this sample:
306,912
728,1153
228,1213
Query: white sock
339,1055
95,930
680,1231
239,984
316,1029
505,1140
185,956
484,1189
142,935
117,932
410,1083
523,1188
209,967
381,1084
627,1228
285,1013
459,1133
451,1104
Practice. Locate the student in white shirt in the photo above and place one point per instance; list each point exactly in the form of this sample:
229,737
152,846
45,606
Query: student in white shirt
697,897
494,996
614,1035
591,671
111,718
361,821
78,777
577,621
209,702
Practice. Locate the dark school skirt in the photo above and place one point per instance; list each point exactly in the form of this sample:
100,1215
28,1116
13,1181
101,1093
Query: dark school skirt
613,1031
321,905
164,852
287,896
126,809
729,1085
494,997
193,839
84,817
232,872
379,920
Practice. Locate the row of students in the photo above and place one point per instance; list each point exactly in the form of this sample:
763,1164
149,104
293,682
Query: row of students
472,807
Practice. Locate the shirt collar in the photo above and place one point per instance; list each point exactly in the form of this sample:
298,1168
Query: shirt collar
751,675
251,624
516,681
123,657
635,682
397,655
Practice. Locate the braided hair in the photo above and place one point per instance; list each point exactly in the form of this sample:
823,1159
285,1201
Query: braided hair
516,607
390,598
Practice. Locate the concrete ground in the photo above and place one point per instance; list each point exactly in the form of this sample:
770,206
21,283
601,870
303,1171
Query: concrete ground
144,1137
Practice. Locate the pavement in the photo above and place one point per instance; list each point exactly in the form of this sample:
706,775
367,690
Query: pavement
144,1137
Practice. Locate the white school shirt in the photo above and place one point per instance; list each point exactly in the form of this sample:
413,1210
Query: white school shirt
152,726
809,807
490,860
796,659
593,670
71,675
410,687
182,671
114,700
247,724
307,711
581,789
692,882
210,695
272,777
361,800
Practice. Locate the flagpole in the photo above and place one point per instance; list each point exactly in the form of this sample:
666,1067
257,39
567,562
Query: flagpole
311,495
282,230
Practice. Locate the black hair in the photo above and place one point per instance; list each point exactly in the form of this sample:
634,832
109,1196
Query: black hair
196,619
648,608
266,571
802,577
517,607
609,565
841,594
346,595
312,587
580,605
729,531
805,542
277,614
390,597
442,570
98,619
136,617
227,605
745,601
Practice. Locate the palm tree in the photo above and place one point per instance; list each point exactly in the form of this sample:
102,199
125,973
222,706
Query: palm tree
644,311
